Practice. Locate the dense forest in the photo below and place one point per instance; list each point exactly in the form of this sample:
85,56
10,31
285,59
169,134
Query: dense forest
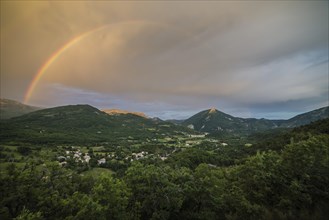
284,176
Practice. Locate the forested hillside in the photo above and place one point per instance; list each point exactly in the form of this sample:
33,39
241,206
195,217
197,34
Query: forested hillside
82,124
218,123
286,178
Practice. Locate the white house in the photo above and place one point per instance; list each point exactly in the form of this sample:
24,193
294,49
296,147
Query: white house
101,161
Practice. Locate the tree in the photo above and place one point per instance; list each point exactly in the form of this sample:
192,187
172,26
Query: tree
112,194
28,215
154,191
306,167
81,206
24,150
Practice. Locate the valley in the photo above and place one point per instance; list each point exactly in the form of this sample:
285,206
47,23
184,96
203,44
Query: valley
164,110
79,162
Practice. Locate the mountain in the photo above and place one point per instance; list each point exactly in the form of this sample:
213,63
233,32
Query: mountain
82,124
86,124
214,121
119,111
10,108
276,139
307,118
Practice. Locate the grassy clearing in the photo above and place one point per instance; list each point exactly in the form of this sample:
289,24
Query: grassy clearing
96,172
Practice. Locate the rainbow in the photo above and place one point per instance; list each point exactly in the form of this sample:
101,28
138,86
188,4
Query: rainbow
70,43
52,59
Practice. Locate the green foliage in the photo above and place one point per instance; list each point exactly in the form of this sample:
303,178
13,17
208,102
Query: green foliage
191,158
24,150
286,180
154,192
112,194
27,215
81,206
278,138
306,165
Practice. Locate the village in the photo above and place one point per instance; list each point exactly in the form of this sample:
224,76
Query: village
117,155
131,150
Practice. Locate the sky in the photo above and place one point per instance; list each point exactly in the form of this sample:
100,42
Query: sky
262,59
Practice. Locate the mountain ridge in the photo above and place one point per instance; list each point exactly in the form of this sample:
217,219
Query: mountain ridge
120,111
215,121
83,124
207,121
11,108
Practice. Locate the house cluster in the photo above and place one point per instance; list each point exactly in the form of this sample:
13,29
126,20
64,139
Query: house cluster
137,156
76,155
144,154
79,156
192,142
197,135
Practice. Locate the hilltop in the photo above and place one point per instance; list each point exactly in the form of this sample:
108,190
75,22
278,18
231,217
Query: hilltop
119,111
10,108
215,121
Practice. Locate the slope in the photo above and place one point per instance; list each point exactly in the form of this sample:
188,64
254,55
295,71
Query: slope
216,122
10,108
306,118
82,124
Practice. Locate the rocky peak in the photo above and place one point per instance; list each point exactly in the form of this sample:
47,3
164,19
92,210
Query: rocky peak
119,111
212,110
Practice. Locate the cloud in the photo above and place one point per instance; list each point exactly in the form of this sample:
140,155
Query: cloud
237,56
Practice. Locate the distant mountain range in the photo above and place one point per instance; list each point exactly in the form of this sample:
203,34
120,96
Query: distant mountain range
83,124
214,121
10,108
74,123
